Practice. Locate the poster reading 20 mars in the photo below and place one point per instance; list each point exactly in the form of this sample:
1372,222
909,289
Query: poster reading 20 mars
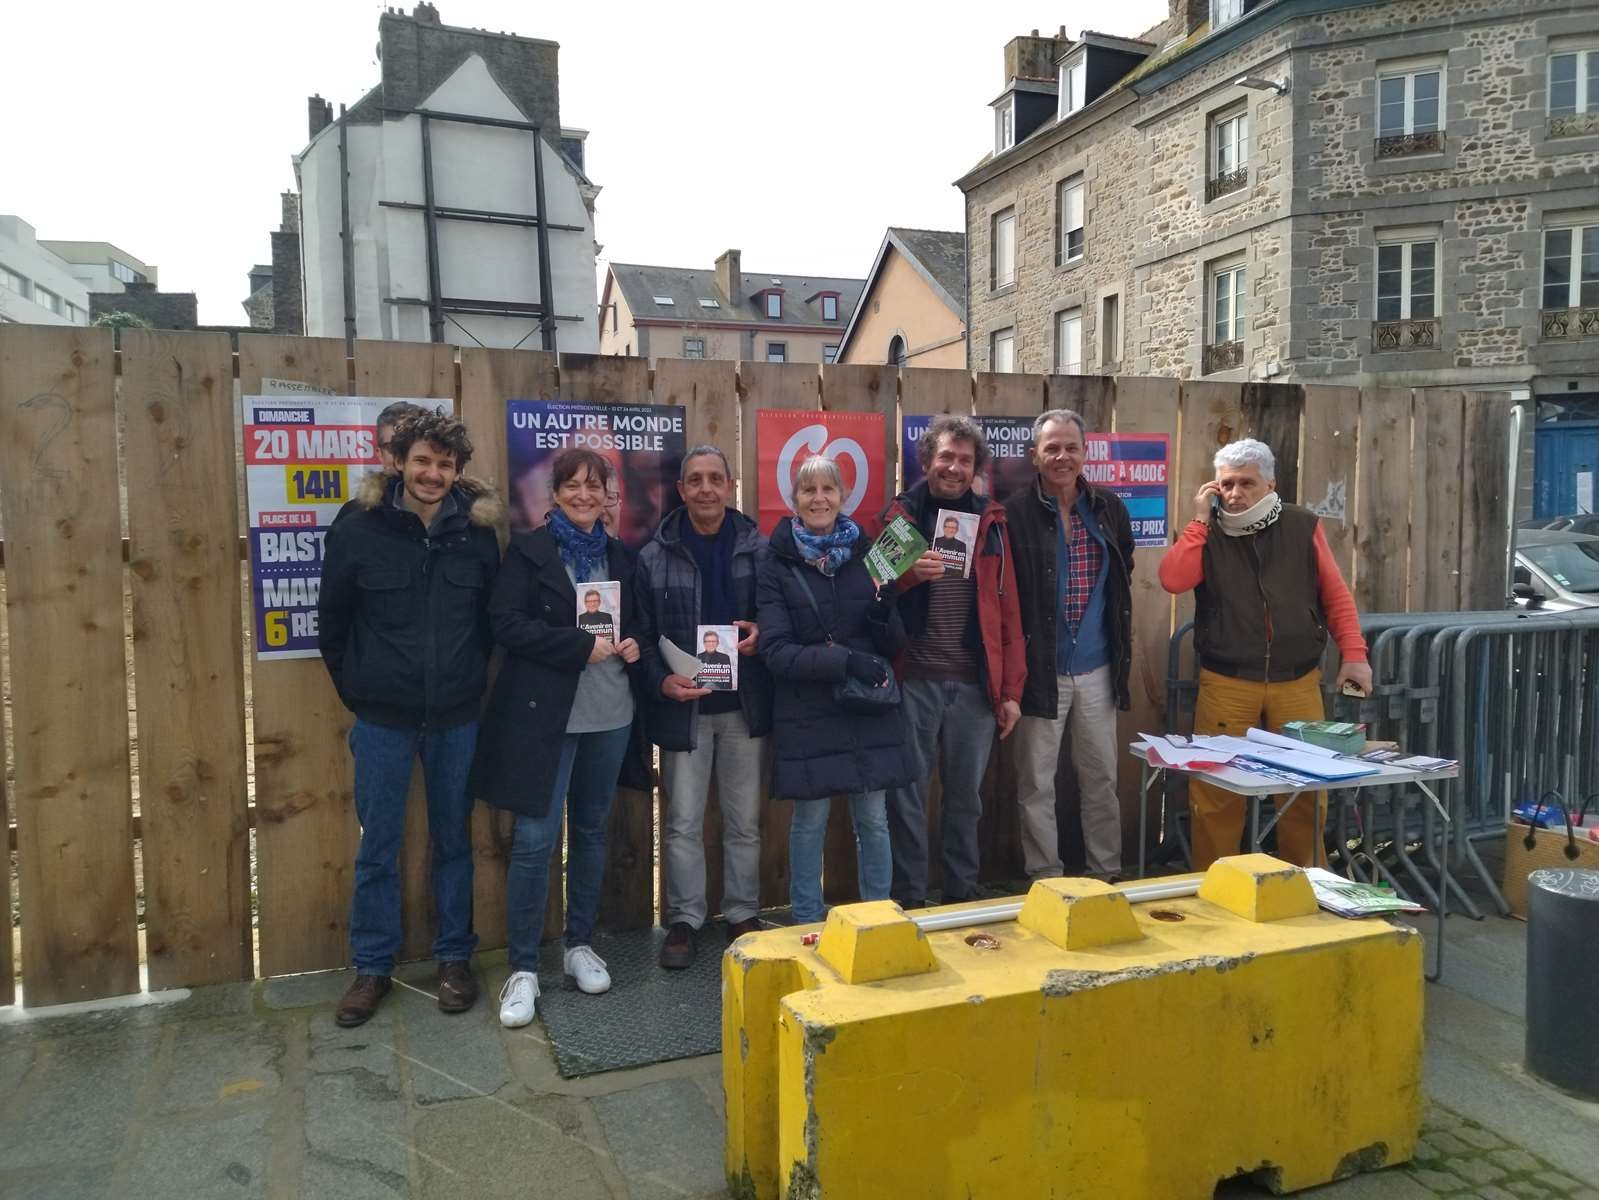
855,441
304,455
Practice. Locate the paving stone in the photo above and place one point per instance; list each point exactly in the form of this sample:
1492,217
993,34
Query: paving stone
305,991
1494,1192
666,1138
79,1100
1476,1136
14,1063
327,1174
355,1134
1480,1170
1585,1193
1438,1182
370,1046
1447,1143
126,1013
59,1181
487,1148
1515,1161
452,1056
236,1062
1525,1187
1555,1181
1391,1184
204,1159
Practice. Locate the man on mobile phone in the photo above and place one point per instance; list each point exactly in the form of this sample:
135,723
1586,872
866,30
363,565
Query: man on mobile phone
1267,594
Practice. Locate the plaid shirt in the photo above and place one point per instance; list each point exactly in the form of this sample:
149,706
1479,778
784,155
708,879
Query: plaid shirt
1084,557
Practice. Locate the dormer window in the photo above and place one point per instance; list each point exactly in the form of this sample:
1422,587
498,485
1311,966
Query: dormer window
1073,76
1224,12
829,307
772,304
1005,125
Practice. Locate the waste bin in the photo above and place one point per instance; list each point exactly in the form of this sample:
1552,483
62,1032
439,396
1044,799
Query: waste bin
1563,979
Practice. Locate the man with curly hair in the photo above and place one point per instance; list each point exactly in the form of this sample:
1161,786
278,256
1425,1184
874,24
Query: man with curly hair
403,628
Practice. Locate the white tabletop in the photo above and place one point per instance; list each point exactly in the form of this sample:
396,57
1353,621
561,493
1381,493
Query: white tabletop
1246,783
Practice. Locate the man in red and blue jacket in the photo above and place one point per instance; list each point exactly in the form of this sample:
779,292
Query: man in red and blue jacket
963,670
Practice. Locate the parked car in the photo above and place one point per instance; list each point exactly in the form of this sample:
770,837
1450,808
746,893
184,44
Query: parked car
1572,523
1556,570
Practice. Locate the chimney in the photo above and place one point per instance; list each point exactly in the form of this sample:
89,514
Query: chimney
321,114
1186,16
291,212
729,276
1033,57
425,14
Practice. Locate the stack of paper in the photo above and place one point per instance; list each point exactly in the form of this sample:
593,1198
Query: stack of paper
1347,898
1191,755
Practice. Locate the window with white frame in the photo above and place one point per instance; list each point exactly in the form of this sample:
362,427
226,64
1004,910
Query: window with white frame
10,279
45,298
829,354
1227,303
1571,264
1003,242
125,273
1069,341
1229,152
774,305
1224,12
1069,229
776,351
1005,125
1072,79
1110,331
1574,80
693,347
829,308
1409,98
1407,275
1002,350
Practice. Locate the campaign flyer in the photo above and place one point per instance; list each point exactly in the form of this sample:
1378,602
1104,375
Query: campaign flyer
718,657
305,453
955,541
642,444
894,552
597,607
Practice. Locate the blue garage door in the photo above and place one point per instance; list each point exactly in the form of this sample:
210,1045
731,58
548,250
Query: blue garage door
1567,468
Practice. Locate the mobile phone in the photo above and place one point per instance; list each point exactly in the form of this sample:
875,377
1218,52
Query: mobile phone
1215,505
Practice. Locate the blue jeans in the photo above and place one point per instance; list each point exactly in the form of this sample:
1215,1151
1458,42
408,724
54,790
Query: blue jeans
873,860
585,781
384,758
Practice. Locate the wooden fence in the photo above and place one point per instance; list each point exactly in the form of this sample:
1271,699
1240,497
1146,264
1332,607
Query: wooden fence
120,484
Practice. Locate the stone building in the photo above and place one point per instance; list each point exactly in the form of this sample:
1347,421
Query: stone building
725,312
1330,191
420,215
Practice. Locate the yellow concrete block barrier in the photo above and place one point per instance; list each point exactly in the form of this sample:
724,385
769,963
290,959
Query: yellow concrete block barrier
1090,1048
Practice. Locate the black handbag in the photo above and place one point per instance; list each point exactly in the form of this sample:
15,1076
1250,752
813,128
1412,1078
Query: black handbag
855,695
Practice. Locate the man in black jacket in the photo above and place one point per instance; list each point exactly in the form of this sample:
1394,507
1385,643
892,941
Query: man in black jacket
700,569
403,628
1074,558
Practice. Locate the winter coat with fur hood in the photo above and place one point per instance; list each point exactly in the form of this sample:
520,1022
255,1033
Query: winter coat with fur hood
403,616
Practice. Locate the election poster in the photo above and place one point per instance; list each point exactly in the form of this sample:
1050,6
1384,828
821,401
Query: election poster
642,443
1010,440
1131,465
785,438
304,455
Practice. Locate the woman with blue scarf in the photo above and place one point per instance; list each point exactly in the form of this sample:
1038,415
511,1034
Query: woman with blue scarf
559,721
824,622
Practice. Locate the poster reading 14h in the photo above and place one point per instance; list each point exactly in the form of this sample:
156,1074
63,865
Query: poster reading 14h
304,455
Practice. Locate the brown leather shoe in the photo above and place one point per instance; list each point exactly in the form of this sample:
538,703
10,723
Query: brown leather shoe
457,986
737,929
677,951
361,1000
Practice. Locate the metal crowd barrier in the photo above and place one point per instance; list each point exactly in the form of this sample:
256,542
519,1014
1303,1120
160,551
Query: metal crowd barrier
1512,695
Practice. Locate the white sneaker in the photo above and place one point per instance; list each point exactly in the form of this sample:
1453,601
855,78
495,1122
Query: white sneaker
589,970
518,998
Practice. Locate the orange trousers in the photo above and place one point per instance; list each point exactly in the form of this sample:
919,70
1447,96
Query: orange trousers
1217,816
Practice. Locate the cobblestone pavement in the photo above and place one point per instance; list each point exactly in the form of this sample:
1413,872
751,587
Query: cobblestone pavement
1458,1157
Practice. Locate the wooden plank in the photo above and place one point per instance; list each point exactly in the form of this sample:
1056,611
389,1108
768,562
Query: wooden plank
306,833
1272,413
627,899
8,967
1485,503
410,371
1327,453
188,654
1005,393
707,389
1146,406
1210,416
1435,503
1382,501
488,379
1091,397
74,807
858,388
763,386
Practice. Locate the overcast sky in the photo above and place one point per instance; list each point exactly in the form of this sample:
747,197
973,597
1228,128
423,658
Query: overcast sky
796,133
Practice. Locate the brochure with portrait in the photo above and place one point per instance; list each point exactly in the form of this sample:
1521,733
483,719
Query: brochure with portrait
955,541
895,550
717,654
597,607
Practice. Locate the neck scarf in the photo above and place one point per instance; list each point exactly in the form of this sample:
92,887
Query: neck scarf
1264,513
827,552
584,554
